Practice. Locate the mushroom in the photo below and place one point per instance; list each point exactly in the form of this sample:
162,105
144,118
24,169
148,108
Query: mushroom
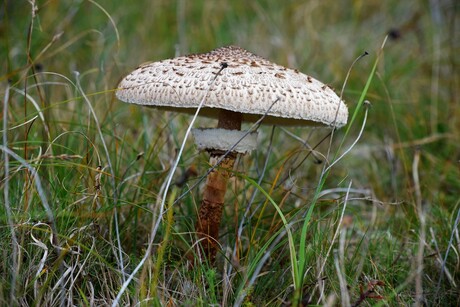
235,86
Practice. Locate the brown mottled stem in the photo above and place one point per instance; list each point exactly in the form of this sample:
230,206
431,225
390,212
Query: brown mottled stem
212,205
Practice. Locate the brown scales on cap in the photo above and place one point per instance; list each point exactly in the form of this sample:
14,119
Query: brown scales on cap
248,85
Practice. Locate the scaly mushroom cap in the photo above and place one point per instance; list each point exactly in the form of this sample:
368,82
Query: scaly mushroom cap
248,84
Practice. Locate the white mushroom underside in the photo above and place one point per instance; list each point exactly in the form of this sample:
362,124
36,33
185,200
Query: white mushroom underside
248,84
222,139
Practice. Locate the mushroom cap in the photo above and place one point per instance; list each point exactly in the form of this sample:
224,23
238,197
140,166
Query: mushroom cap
244,82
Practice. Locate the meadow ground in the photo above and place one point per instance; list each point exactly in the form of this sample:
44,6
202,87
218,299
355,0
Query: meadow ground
83,175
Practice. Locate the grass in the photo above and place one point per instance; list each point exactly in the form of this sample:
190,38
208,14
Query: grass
380,227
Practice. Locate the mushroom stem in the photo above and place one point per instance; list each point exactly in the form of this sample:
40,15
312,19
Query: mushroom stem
212,205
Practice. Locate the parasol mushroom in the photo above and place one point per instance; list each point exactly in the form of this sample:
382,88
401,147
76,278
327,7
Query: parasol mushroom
238,86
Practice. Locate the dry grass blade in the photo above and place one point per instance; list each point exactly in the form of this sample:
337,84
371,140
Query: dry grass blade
6,199
345,296
419,293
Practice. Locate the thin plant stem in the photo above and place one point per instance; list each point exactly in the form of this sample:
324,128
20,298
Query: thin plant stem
337,231
355,141
9,213
419,295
